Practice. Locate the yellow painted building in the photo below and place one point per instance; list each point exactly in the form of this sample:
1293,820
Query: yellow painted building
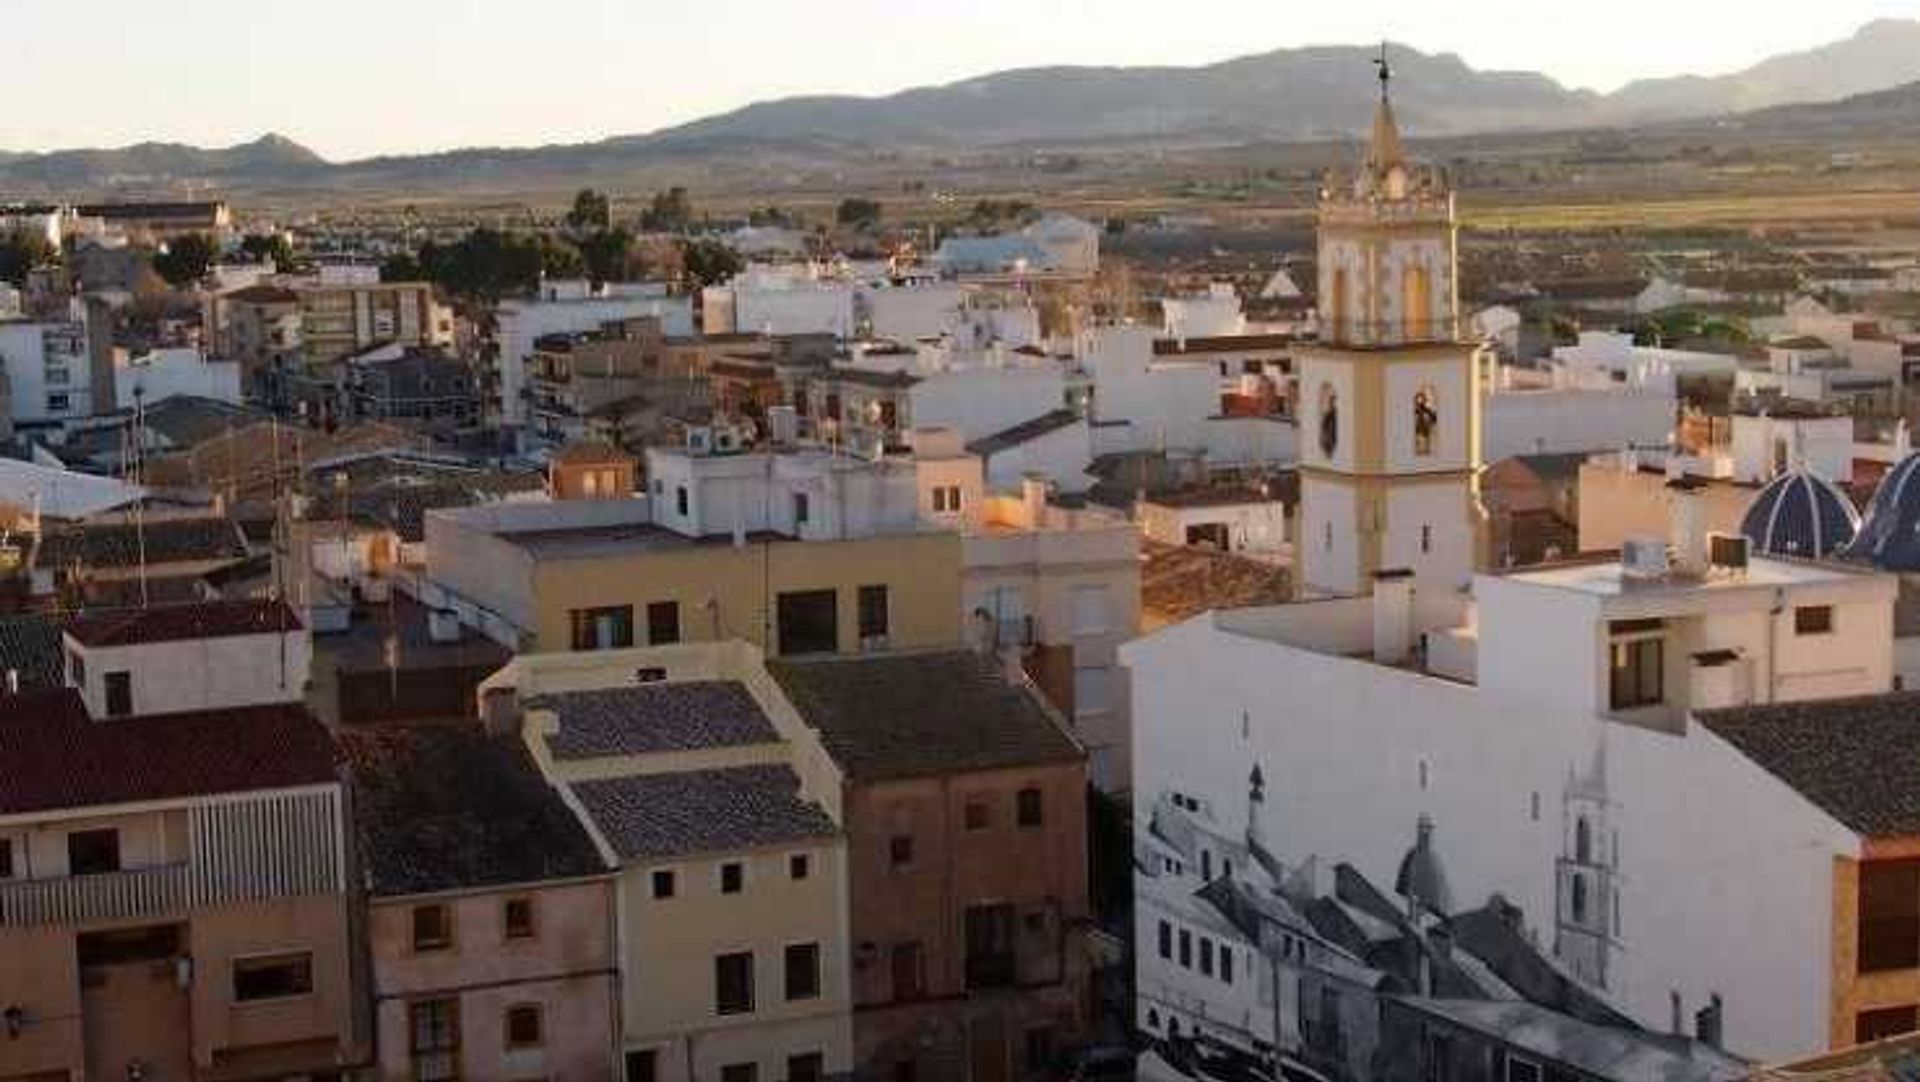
596,575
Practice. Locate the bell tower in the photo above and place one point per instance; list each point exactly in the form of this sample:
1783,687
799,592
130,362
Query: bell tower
1389,397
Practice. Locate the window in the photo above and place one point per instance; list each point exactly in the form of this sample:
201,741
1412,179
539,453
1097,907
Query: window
663,623
1813,620
800,509
517,918
119,694
6,858
803,971
946,499
1186,949
1166,940
609,628
275,976
432,927
57,403
799,866
1031,807
93,852
1206,956
990,952
680,500
1522,1070
1089,610
873,612
1226,964
1092,691
806,1067
1426,538
740,1072
733,877
733,983
643,1065
907,982
976,815
1885,1022
524,1025
663,884
433,1039
1637,673
77,669
1889,916
809,622
900,850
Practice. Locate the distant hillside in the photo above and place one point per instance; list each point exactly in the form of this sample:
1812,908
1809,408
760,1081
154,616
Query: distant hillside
1287,95
1881,54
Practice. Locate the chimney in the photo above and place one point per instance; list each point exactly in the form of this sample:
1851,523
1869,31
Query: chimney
1033,493
1686,532
1392,616
500,713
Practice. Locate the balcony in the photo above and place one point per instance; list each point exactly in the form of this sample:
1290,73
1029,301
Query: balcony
108,896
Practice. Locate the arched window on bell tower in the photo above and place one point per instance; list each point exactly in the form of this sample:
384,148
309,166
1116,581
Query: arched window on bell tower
1339,306
1416,302
1329,420
1426,420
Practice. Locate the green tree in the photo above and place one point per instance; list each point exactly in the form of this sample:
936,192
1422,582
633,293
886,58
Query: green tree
185,259
670,212
268,247
605,254
708,262
858,213
402,267
20,252
591,211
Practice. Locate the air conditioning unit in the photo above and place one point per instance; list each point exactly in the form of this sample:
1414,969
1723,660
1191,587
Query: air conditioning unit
726,439
1727,551
699,439
1644,558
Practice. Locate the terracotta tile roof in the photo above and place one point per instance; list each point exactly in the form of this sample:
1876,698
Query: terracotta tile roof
593,451
655,718
1179,581
171,623
912,715
1842,755
122,544
30,646
264,294
1221,343
448,807
655,816
58,758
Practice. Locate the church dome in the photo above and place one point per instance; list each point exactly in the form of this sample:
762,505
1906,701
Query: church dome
1799,514
1422,880
1889,535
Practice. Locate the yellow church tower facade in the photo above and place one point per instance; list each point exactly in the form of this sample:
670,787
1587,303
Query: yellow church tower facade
1389,398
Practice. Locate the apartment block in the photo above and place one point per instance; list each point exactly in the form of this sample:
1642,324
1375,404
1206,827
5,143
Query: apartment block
174,900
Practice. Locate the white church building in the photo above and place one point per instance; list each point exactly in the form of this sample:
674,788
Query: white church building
1612,819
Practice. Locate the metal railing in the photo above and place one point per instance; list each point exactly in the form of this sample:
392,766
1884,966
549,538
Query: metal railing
106,896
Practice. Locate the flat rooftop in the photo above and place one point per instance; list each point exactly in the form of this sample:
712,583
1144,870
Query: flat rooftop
589,542
1602,577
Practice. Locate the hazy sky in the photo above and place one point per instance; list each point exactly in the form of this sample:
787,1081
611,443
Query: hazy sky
351,78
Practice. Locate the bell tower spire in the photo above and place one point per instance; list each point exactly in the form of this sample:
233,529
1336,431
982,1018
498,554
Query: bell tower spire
1388,398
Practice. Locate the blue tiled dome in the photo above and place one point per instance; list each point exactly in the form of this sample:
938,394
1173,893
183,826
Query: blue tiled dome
1798,514
1889,536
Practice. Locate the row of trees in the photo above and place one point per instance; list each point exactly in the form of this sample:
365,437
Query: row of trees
489,264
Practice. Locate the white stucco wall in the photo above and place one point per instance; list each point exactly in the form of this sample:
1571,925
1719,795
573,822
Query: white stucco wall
200,674
1724,875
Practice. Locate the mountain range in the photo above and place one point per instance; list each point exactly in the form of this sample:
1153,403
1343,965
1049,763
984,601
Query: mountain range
1296,94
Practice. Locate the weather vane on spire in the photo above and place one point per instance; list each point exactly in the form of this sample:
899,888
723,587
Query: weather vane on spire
1386,70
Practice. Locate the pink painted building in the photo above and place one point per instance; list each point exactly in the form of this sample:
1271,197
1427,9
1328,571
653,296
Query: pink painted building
490,912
